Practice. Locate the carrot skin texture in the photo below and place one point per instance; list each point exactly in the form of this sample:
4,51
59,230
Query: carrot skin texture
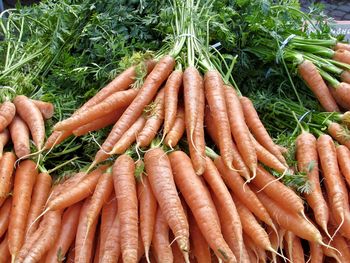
297,253
125,189
342,93
338,133
343,156
7,113
340,45
25,177
177,130
192,189
345,76
340,244
5,216
47,109
316,253
342,55
6,170
31,115
5,255
200,246
4,138
145,95
20,136
111,249
160,175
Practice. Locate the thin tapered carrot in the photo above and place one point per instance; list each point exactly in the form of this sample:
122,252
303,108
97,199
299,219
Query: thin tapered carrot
339,133
5,255
235,182
274,240
160,240
339,243
248,242
219,108
31,115
192,189
342,55
258,130
309,73
223,197
307,157
5,215
20,137
154,121
99,123
111,249
343,156
25,177
177,130
7,163
340,45
332,254
125,190
148,210
108,105
177,254
145,95
7,113
253,257
239,129
56,138
40,194
129,137
171,91
316,253
68,230
4,138
160,175
295,252
47,109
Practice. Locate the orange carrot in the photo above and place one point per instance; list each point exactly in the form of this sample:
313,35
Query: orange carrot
4,138
339,133
20,137
31,115
295,251
25,177
7,113
56,138
177,254
7,163
148,210
251,246
5,255
40,194
71,255
46,108
111,249
171,91
340,45
345,76
342,93
177,130
343,156
67,234
5,216
125,189
160,175
140,248
160,240
340,244
96,249
145,95
316,253
192,190
342,55
200,247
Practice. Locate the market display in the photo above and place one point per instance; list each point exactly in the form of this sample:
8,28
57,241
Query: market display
132,132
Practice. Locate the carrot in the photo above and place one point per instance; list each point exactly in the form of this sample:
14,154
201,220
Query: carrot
258,130
99,123
140,248
316,253
7,113
40,194
307,157
25,177
20,137
130,136
4,138
339,133
344,46
345,76
148,211
5,216
56,138
249,243
223,197
71,255
108,105
342,93
67,234
145,95
111,249
243,192
215,95
331,253
177,254
97,250
158,169
31,115
274,240
154,121
7,163
5,255
340,244
160,240
125,189
192,190
47,109
296,252
171,91
47,239
342,55
177,130
343,156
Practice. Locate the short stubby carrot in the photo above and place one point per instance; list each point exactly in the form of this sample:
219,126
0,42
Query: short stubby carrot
177,130
7,113
5,216
20,137
160,175
171,96
145,95
342,55
343,156
125,190
25,177
192,189
4,138
32,116
7,163
47,109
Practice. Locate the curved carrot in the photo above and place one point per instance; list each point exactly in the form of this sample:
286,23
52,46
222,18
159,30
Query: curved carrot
145,95
5,255
111,249
171,91
343,156
148,211
316,253
177,130
125,190
20,137
7,163
200,246
160,175
4,138
31,115
5,216
342,55
192,190
56,138
7,113
47,109
25,177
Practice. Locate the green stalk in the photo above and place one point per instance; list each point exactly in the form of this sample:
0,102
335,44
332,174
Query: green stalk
318,42
339,64
211,153
318,50
323,63
334,82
